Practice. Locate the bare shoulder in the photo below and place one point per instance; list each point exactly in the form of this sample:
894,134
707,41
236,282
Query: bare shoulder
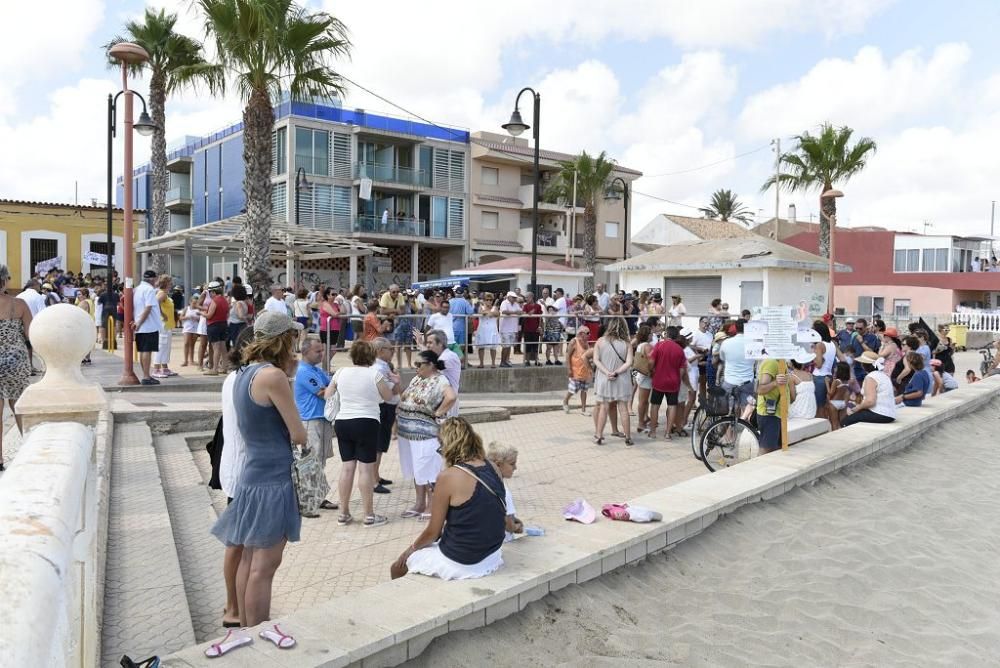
272,375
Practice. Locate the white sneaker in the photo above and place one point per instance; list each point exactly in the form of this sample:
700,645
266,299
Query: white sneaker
566,409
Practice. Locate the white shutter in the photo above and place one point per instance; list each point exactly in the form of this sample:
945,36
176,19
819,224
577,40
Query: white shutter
456,218
341,207
456,171
697,292
441,166
279,202
340,155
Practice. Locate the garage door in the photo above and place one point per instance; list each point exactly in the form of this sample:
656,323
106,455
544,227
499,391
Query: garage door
697,292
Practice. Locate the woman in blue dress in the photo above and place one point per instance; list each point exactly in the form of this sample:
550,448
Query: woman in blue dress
264,513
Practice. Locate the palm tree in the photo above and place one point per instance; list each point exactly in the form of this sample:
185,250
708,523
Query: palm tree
269,46
593,176
821,161
175,62
725,205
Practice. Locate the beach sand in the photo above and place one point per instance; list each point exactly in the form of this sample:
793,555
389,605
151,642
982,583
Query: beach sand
891,563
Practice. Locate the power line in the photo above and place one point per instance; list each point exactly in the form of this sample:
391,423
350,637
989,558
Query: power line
711,164
451,131
664,199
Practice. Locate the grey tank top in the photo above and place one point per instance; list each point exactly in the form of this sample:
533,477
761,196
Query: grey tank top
268,445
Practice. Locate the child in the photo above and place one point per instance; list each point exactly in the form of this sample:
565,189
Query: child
505,459
552,335
971,377
578,366
838,391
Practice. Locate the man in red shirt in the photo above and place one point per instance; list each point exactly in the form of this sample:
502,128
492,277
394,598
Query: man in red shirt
216,317
669,371
530,326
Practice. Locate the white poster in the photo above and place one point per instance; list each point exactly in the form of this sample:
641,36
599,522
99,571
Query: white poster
775,334
90,257
46,265
366,189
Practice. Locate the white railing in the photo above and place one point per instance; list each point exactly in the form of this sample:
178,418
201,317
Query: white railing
978,322
51,547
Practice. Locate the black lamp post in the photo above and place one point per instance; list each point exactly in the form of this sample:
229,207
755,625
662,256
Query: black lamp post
613,194
300,184
145,127
515,126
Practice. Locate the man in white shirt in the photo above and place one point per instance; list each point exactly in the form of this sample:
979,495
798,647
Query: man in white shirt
510,311
276,302
560,303
33,298
437,341
443,321
147,323
737,370
603,298
701,343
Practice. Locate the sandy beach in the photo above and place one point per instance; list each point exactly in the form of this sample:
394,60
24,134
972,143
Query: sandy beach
887,564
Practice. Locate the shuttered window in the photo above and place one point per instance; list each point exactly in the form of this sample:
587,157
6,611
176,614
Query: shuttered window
279,151
279,202
341,208
340,155
697,292
449,170
456,218
316,207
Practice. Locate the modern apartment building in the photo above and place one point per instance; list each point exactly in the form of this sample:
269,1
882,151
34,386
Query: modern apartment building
416,173
502,188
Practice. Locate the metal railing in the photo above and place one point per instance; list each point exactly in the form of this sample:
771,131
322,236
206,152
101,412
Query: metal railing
403,226
392,174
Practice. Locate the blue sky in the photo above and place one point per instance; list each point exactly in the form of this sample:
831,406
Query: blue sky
664,86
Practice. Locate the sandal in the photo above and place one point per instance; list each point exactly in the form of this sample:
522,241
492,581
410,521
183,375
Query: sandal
629,443
375,521
406,514
281,640
424,517
599,440
344,520
682,432
618,434
232,641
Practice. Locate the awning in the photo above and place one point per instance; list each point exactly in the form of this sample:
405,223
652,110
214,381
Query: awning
226,236
459,280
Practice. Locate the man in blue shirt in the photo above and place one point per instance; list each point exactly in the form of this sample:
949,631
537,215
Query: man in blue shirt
845,336
862,339
460,310
310,384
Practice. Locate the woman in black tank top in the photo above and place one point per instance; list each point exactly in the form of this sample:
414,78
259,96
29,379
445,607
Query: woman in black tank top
466,529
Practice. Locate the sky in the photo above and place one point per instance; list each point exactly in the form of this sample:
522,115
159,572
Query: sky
690,93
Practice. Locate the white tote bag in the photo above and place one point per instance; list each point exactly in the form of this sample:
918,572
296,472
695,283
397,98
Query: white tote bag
332,407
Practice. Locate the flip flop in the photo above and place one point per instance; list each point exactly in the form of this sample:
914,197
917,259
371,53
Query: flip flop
344,520
424,517
281,640
406,514
618,434
232,641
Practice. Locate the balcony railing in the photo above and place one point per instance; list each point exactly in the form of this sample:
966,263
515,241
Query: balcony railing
392,174
402,226
179,193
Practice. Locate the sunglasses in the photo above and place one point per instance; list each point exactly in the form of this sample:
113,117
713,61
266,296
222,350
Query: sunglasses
417,365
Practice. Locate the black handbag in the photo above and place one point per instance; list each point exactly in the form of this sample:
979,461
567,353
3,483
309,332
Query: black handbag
717,401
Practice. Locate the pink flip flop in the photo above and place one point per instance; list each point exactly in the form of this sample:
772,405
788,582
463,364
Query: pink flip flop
615,511
281,640
232,641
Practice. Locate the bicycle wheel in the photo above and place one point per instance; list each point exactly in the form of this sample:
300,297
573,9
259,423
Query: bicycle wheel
728,442
698,425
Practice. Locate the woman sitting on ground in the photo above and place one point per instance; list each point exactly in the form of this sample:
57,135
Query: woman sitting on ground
467,525
878,404
841,387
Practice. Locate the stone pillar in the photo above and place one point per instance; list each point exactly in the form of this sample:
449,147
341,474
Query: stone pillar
353,276
62,335
188,271
414,262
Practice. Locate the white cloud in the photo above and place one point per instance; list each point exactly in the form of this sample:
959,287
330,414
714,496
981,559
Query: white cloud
866,92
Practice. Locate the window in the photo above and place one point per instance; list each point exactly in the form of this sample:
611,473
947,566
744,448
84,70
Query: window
907,259
878,305
490,220
312,151
901,308
279,201
807,278
611,230
491,176
935,259
279,151
101,248
42,250
871,305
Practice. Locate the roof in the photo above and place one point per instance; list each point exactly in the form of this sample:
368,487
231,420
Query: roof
63,205
708,228
787,228
730,253
519,265
528,152
306,243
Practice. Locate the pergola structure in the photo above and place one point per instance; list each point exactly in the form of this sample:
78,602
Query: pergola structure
291,243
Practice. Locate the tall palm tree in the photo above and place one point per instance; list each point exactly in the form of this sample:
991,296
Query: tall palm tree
175,62
269,46
593,177
822,161
725,205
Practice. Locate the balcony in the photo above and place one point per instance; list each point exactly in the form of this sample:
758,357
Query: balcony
404,176
402,227
526,194
179,199
549,241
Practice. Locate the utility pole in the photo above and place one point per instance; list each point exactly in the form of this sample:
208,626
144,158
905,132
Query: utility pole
993,211
777,189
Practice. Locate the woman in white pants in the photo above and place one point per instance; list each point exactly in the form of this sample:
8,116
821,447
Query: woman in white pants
161,358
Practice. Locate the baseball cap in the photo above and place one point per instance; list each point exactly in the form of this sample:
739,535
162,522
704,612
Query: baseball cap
849,321
512,294
581,511
270,324
892,332
149,273
214,285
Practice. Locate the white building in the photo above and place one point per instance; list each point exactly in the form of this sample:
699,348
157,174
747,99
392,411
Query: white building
744,272
667,228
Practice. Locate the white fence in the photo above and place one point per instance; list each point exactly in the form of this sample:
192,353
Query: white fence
53,514
978,322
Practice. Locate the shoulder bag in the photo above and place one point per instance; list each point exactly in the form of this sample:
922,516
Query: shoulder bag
641,361
332,407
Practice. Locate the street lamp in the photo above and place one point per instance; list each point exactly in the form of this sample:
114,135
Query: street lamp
128,54
301,184
612,194
833,225
515,126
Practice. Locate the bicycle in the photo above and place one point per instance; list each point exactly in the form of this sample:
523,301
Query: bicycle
699,423
987,363
729,439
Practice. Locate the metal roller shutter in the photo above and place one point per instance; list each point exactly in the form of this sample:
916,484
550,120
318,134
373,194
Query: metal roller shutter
697,292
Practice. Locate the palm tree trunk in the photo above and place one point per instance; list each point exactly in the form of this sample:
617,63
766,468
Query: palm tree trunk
828,209
589,246
158,164
258,122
